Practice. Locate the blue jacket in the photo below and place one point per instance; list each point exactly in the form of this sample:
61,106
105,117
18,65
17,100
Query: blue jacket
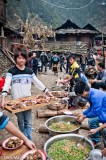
97,100
3,120
84,79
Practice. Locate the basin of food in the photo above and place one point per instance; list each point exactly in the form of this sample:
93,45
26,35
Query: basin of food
57,105
62,124
60,94
64,147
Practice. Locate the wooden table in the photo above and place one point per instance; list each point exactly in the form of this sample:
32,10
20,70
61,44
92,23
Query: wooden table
13,154
13,111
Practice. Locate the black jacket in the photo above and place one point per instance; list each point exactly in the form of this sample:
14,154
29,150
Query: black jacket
44,59
35,63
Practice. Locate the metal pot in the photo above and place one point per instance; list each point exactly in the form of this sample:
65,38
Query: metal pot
60,94
62,118
58,88
62,104
96,154
72,137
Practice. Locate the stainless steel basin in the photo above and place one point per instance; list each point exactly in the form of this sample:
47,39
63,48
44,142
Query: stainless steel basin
72,137
61,118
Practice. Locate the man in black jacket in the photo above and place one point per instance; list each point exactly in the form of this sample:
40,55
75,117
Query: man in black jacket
35,64
44,61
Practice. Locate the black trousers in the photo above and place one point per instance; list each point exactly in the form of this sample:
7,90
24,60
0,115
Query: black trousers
35,70
73,81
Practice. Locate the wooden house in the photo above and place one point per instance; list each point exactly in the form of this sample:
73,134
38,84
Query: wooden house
7,35
91,33
70,32
99,39
2,12
11,36
2,19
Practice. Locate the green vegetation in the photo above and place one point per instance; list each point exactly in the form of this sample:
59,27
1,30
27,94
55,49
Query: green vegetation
56,16
64,127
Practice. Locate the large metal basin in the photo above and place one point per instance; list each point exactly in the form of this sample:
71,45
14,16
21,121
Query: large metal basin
72,137
61,95
62,118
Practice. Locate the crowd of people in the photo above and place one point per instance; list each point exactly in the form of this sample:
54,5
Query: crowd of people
44,61
21,76
56,62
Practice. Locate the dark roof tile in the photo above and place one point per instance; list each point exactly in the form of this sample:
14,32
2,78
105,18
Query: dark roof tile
68,25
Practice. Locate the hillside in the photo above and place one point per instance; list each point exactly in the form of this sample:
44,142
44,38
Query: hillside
55,16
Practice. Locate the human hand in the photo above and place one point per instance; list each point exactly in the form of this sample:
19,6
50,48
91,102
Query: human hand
59,81
48,93
30,145
92,131
104,152
71,77
81,117
63,82
93,80
2,103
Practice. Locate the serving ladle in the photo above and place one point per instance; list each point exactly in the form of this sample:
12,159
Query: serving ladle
78,143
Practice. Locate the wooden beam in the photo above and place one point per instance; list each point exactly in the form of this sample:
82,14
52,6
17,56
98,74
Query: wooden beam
7,55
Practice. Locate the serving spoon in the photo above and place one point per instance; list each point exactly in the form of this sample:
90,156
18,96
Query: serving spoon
78,143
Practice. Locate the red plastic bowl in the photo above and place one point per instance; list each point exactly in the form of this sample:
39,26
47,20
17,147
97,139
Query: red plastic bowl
33,151
6,140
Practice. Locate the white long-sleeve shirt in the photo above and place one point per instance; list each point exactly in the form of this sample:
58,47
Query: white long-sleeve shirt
20,82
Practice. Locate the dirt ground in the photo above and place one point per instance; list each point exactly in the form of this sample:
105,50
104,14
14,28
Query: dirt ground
38,138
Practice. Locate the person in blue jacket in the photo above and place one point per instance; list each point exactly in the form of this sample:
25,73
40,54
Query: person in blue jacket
5,123
84,78
97,110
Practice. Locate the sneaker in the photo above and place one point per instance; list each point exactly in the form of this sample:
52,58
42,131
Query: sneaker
96,144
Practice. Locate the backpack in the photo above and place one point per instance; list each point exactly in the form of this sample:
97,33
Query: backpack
55,59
